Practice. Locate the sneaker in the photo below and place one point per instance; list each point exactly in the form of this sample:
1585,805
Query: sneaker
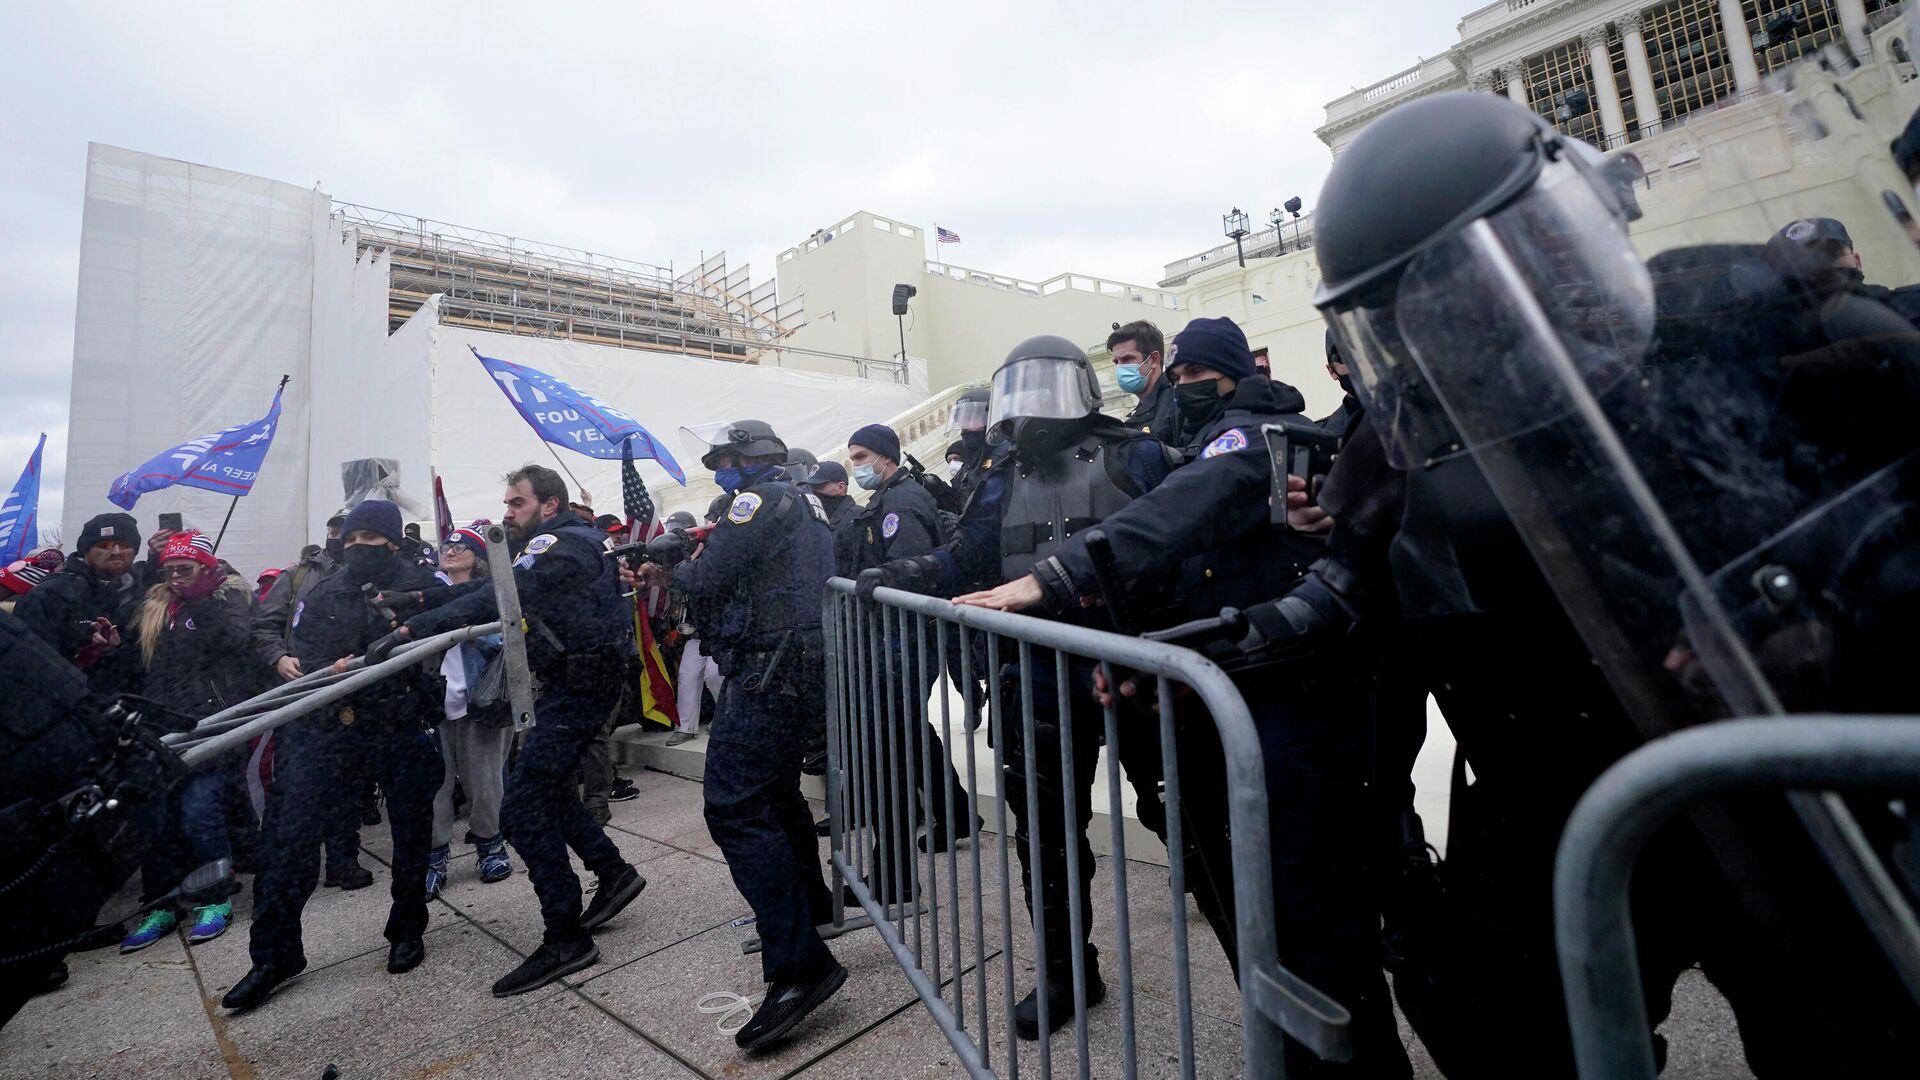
787,1004
494,865
823,827
548,962
622,790
210,922
348,876
680,737
613,894
156,925
436,870
1026,1015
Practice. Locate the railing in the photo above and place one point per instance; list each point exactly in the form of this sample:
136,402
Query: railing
1619,814
947,923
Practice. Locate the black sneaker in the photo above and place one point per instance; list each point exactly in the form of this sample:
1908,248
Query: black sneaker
611,896
1026,1015
348,876
622,790
548,962
258,984
935,838
787,1004
823,827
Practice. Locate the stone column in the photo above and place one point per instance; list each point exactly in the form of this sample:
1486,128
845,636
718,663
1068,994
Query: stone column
1613,120
1646,110
1853,24
1481,82
1516,73
1733,25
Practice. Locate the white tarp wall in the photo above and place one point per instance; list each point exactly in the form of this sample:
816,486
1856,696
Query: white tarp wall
195,296
477,436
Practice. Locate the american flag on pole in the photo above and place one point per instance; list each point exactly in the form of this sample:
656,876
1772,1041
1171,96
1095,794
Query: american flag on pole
657,702
945,236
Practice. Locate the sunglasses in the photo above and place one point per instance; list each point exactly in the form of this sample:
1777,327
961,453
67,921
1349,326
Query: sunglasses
180,572
113,545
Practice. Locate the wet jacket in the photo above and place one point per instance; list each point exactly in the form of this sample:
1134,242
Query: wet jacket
763,572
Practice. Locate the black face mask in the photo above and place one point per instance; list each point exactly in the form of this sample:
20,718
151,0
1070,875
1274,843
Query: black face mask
1199,402
366,561
336,548
1039,435
1346,384
973,439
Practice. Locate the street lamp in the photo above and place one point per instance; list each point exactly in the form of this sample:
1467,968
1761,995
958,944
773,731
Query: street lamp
1292,206
901,294
1235,224
1278,219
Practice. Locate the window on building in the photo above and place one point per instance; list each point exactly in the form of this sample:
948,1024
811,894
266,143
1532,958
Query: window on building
1784,30
1688,55
1560,88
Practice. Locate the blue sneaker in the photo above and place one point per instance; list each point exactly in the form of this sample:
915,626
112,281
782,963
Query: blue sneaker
156,925
210,922
494,865
436,870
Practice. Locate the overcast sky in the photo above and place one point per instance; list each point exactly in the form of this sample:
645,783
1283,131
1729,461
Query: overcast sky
1105,138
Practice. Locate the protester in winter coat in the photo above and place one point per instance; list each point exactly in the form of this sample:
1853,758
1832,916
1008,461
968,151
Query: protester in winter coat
82,610
188,633
473,739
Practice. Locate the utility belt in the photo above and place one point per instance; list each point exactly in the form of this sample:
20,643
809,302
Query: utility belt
791,663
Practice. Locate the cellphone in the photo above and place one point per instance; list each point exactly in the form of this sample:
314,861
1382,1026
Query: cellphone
171,522
1298,448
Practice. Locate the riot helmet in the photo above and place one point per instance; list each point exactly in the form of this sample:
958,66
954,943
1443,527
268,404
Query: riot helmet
744,438
1462,239
1042,392
800,464
970,410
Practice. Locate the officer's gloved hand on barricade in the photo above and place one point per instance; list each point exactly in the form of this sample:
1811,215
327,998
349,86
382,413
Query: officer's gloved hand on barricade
671,548
402,600
383,647
917,574
1304,619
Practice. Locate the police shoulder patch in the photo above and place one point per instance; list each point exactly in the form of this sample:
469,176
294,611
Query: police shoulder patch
890,525
1233,439
540,543
743,508
523,562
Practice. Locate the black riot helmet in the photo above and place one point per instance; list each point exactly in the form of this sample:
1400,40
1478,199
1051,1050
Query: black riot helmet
970,410
1042,393
745,438
800,464
1462,207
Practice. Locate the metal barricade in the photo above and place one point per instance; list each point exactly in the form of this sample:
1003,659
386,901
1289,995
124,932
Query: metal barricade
1619,814
236,726
887,657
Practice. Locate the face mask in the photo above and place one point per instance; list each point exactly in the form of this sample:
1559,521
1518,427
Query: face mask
1038,434
1131,378
1199,402
867,476
974,440
1346,383
364,561
954,467
336,548
731,480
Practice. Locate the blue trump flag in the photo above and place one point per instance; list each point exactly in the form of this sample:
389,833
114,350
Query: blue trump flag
564,416
20,513
227,461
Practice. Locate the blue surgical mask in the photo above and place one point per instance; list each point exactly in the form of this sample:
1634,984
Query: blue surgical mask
731,480
1131,379
867,476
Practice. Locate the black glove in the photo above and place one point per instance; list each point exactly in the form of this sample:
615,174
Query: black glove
917,574
384,647
669,549
870,579
400,601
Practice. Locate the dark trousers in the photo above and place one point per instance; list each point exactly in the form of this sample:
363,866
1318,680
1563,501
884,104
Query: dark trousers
312,775
542,813
901,765
1315,741
187,829
1048,816
761,822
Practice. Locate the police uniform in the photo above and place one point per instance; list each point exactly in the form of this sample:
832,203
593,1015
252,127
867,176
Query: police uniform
1214,515
580,636
756,592
319,761
1158,413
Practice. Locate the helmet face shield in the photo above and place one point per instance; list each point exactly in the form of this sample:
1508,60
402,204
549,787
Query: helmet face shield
1042,388
746,438
969,414
1455,352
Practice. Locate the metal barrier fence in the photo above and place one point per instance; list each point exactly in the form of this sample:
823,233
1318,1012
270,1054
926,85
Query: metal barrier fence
1593,927
886,656
234,727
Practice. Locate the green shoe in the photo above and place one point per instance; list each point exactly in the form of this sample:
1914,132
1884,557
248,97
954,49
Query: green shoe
210,922
156,925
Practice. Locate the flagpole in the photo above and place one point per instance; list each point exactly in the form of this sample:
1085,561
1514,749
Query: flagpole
235,504
577,485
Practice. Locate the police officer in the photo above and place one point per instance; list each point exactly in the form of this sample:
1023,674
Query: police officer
828,483
1543,490
968,422
756,591
1069,467
581,635
318,759
1342,420
1212,522
1140,367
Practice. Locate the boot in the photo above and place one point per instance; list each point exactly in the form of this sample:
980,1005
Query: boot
437,870
1026,1015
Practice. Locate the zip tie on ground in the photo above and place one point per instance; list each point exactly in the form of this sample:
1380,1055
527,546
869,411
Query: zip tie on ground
726,1004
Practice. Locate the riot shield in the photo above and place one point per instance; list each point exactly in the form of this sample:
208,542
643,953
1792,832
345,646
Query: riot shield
1703,421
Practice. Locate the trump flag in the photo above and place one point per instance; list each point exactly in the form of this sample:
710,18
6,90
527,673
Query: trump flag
19,514
227,461
565,416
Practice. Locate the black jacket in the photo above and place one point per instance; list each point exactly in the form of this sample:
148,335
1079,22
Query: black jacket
196,662
1158,413
899,521
335,621
275,610
60,608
